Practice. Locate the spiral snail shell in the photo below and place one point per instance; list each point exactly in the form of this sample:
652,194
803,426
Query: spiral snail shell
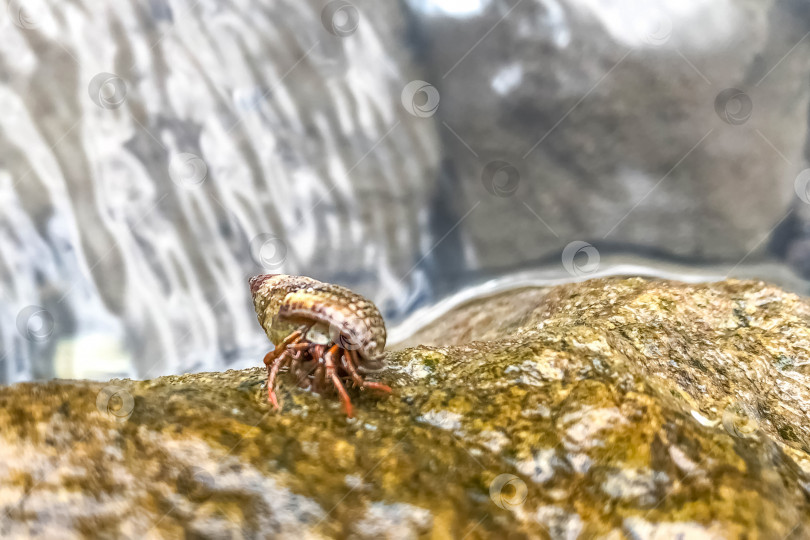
323,331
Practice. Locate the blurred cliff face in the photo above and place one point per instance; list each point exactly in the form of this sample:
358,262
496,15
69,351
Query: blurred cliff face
158,153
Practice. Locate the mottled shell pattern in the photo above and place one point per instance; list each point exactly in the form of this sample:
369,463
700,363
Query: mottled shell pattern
283,303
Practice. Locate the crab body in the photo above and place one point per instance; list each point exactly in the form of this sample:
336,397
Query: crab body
316,325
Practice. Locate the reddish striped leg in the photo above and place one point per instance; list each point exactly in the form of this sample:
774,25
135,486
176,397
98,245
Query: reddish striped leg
329,360
351,364
278,358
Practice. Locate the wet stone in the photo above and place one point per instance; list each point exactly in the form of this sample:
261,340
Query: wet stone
614,408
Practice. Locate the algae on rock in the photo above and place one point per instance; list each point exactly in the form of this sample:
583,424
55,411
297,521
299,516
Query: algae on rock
614,408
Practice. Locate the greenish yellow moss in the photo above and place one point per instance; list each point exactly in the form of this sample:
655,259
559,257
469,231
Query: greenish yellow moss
607,403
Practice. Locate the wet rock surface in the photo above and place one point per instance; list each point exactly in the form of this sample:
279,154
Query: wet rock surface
617,408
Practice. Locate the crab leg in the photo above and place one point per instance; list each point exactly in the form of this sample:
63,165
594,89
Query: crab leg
296,360
318,379
352,359
308,362
293,338
329,359
348,362
305,372
271,377
275,360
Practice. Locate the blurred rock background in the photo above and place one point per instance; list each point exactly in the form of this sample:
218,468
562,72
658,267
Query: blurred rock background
154,154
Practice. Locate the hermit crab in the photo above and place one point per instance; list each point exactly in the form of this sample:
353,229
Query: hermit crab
325,334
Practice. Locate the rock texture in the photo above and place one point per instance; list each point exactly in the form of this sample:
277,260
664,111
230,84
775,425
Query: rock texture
617,408
657,128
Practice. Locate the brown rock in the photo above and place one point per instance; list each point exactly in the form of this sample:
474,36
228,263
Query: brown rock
616,408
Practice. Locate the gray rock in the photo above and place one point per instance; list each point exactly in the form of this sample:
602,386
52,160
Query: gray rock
617,125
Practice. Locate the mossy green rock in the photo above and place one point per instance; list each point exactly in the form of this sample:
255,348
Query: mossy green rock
617,408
